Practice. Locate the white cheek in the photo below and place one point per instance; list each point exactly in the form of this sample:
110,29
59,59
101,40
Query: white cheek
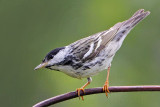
60,56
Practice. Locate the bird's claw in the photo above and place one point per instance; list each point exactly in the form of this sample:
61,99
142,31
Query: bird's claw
78,91
105,89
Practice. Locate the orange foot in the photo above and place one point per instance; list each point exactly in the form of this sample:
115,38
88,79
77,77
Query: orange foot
105,89
78,91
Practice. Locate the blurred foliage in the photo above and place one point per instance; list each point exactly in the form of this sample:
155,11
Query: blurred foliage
29,29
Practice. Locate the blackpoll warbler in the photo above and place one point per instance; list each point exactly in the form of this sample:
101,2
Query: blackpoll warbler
91,55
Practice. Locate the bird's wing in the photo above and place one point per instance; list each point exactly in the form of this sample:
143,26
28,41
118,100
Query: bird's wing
87,48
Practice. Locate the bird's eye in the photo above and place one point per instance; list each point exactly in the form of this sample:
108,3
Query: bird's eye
43,60
50,57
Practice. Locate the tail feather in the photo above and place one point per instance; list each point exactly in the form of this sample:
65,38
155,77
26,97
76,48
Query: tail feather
126,26
138,12
136,18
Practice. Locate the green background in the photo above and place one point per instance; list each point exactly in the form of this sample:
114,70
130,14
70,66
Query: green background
29,29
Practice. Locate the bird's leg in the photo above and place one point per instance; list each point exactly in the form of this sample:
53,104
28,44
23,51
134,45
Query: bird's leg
106,85
82,88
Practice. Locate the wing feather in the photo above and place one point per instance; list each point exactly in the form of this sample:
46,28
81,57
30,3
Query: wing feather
82,46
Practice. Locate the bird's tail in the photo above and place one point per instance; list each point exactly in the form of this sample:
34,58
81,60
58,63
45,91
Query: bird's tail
136,18
123,28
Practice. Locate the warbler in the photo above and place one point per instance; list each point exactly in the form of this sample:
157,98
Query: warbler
93,54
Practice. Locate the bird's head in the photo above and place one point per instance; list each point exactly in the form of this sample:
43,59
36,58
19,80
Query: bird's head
52,58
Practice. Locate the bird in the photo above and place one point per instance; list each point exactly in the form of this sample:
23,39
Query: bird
90,55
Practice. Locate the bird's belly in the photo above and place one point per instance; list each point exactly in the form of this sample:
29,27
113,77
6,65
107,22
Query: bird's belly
69,71
87,70
98,67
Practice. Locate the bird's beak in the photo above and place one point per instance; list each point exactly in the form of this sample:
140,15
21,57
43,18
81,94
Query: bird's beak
42,65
